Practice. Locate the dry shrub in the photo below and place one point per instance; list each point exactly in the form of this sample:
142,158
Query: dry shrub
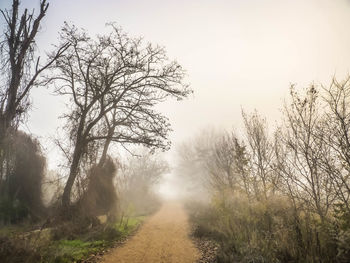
17,251
263,231
74,228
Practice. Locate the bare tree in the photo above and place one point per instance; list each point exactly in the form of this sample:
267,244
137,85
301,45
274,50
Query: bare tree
136,181
114,82
20,68
302,170
195,162
336,135
143,171
261,152
216,162
227,164
221,164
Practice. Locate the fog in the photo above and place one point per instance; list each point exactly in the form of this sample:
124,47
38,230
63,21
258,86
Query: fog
222,127
236,53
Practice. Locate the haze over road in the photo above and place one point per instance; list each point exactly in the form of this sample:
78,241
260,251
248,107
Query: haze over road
163,238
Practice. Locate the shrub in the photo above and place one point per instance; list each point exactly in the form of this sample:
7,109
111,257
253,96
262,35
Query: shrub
16,251
100,197
267,231
20,191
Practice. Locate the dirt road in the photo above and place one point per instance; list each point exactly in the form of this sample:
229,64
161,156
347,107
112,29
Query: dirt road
162,238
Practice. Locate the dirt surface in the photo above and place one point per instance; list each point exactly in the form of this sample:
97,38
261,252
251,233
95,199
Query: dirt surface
163,238
208,250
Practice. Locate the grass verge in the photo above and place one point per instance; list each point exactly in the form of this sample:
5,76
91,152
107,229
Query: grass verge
79,249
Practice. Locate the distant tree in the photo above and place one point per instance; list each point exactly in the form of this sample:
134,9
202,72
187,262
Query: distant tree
195,162
215,161
136,181
144,171
227,164
114,83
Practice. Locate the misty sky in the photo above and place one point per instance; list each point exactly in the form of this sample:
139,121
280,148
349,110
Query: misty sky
238,53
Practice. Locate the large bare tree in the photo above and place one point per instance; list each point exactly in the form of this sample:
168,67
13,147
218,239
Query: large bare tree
114,83
20,69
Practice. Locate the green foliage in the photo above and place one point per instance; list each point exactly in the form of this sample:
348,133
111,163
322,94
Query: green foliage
72,250
92,242
126,226
17,244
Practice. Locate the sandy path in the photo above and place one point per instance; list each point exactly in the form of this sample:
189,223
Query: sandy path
162,238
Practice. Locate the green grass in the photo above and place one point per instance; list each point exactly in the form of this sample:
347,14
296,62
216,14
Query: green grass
64,251
129,224
73,250
78,249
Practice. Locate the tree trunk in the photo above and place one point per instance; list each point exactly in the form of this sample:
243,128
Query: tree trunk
74,168
78,151
105,147
104,153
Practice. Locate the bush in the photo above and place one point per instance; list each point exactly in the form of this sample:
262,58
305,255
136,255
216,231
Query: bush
20,191
16,251
267,231
100,197
12,211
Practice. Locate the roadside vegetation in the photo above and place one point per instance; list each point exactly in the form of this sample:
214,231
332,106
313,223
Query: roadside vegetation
277,195
84,237
18,245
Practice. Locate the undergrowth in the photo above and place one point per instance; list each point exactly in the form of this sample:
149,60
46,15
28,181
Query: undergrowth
268,232
19,249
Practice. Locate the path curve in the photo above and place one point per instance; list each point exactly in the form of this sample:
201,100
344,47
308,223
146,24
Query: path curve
162,238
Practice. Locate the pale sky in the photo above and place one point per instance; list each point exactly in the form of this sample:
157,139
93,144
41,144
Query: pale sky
238,53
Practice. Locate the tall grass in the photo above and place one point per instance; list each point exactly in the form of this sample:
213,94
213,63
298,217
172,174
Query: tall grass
268,231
